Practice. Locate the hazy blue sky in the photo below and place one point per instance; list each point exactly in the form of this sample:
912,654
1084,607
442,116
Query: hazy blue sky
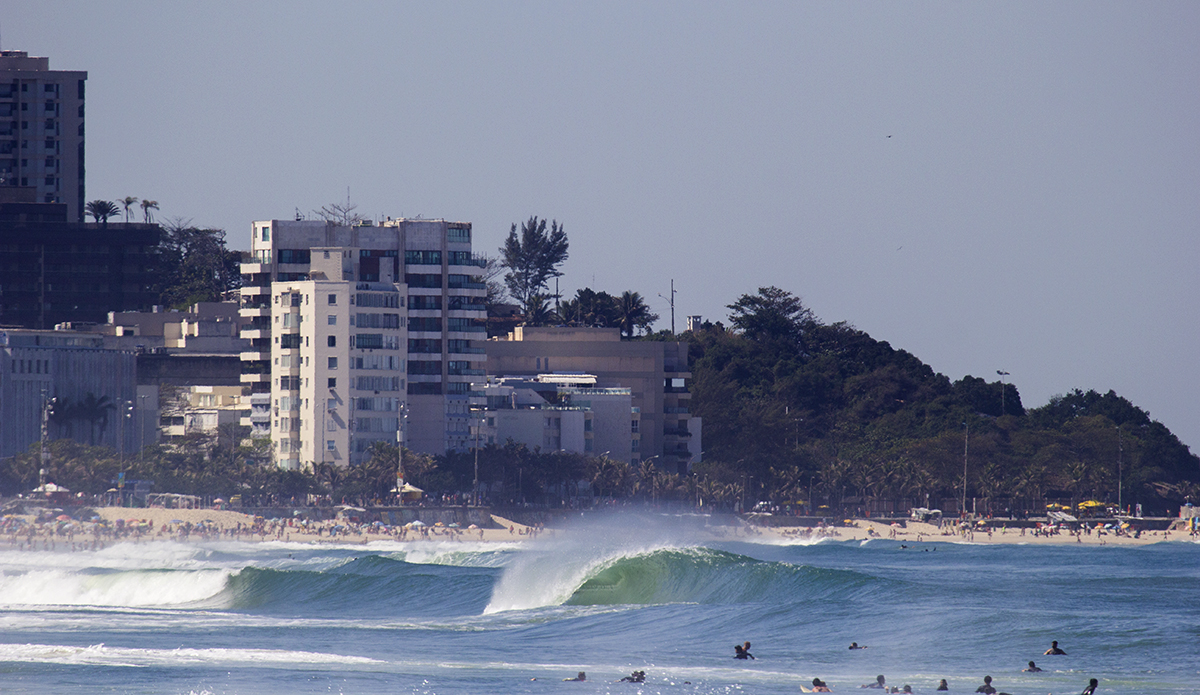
989,186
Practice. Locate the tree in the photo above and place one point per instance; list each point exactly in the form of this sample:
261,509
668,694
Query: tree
634,313
532,258
194,265
341,214
101,210
590,308
771,314
147,206
127,202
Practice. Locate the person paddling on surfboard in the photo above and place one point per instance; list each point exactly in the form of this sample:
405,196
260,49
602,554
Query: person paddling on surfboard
1054,649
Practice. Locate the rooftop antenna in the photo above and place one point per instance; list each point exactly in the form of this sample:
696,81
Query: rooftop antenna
671,301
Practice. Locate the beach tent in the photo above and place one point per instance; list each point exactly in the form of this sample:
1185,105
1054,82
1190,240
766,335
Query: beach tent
409,492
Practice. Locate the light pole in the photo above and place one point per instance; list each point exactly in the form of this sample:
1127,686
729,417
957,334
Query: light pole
966,447
475,488
1120,450
1003,389
671,301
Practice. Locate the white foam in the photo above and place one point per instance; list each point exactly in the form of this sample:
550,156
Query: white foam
100,655
123,588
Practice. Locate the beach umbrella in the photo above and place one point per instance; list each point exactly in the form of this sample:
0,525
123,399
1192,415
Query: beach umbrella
416,524
62,517
472,526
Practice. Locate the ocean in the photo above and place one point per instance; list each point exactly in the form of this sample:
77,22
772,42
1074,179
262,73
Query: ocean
633,592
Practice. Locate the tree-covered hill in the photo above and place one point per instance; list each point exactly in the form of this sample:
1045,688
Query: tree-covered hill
795,407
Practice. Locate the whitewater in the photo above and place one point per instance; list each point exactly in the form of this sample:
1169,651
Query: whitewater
608,597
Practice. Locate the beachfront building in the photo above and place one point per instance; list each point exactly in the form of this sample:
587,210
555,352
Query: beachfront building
656,374
54,270
41,133
560,412
94,388
363,332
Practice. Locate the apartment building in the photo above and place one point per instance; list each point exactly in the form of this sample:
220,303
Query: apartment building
655,373
560,412
362,332
41,133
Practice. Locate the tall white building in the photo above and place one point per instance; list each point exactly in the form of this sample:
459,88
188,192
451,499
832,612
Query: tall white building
41,133
360,332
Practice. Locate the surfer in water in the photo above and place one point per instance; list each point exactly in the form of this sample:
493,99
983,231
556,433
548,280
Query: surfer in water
1054,649
879,683
943,685
1032,668
854,645
635,677
742,652
1091,688
581,677
819,686
986,688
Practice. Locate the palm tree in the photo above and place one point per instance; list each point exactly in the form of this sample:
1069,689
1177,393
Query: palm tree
127,202
634,313
101,210
147,206
95,411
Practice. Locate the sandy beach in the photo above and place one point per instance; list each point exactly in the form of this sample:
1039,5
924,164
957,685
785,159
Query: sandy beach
164,524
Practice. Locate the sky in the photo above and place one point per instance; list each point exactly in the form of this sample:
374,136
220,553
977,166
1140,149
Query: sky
989,186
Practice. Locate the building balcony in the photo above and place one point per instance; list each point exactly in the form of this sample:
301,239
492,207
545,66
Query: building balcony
255,268
255,378
255,356
254,310
251,333
255,291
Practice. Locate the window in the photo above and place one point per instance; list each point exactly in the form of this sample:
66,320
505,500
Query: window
332,301
333,363
266,233
332,341
423,257
333,379
330,444
332,318
294,256
634,426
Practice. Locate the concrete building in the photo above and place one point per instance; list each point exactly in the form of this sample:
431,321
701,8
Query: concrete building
41,133
431,279
656,374
202,410
78,371
54,271
557,412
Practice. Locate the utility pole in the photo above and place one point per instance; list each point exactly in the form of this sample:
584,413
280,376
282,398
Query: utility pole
671,301
1120,450
966,446
47,404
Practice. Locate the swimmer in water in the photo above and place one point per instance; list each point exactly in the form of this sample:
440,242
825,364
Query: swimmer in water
635,677
854,645
1054,649
986,688
1032,668
740,652
1091,689
819,686
943,685
581,677
746,649
877,684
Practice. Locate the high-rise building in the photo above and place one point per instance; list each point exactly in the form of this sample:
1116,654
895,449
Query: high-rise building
361,332
41,133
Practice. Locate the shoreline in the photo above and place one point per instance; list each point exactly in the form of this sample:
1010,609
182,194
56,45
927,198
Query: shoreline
164,524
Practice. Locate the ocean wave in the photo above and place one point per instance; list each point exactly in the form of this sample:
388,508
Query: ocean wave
106,588
661,575
101,655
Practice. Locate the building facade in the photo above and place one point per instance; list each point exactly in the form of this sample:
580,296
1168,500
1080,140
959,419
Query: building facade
95,390
41,132
54,271
407,371
656,373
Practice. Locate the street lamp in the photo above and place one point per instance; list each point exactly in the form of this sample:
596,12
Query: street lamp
966,446
1120,450
1003,389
